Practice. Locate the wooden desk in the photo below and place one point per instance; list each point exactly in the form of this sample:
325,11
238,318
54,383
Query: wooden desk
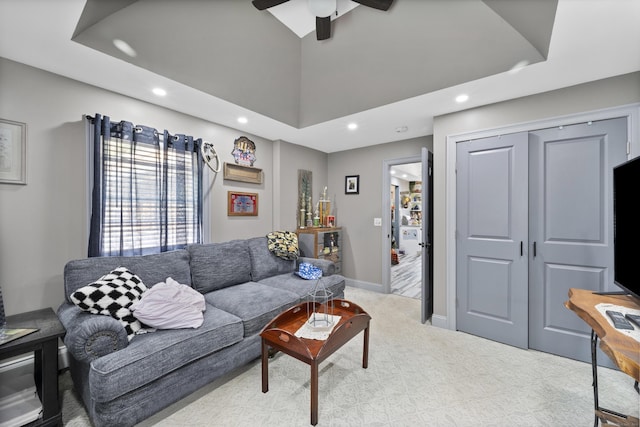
623,350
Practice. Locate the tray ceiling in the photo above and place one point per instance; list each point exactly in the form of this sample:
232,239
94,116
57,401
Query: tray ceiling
231,50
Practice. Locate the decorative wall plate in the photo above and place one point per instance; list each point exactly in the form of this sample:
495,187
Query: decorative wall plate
244,151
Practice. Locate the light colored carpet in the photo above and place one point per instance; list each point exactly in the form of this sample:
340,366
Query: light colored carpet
418,375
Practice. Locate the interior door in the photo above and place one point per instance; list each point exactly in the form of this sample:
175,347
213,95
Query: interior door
571,231
491,259
427,235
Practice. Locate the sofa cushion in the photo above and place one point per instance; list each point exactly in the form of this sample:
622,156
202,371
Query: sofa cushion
218,265
254,303
264,263
151,269
291,282
151,356
112,295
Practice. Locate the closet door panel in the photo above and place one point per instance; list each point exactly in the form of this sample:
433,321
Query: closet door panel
491,204
571,206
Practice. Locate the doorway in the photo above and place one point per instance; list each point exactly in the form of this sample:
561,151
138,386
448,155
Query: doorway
407,232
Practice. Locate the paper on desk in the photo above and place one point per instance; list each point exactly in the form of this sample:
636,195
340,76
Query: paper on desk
603,307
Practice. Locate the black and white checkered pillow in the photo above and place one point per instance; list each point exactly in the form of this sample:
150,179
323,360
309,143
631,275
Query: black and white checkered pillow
112,295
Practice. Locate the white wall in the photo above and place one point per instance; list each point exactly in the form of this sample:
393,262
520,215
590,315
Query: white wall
44,224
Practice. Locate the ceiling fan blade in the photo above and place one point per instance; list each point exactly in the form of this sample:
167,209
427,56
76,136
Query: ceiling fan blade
376,4
323,28
266,4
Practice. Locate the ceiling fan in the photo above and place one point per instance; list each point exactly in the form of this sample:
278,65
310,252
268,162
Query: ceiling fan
323,9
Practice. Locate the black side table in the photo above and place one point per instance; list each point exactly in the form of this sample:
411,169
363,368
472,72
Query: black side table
44,344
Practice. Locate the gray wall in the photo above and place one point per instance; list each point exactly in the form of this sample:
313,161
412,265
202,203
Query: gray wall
606,93
362,241
292,158
44,224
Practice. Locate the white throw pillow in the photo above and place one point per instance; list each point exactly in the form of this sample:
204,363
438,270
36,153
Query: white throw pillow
170,305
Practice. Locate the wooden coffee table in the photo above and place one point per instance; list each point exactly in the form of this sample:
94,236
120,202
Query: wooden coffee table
279,334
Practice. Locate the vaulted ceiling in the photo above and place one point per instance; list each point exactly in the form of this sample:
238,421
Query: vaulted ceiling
384,70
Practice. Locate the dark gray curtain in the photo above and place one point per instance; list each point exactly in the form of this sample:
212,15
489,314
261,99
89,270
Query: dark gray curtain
147,189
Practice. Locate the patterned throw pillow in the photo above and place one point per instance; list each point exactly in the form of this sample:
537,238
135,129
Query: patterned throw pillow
283,244
112,295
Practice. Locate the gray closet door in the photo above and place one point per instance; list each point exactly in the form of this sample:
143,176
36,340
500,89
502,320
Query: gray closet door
491,204
571,208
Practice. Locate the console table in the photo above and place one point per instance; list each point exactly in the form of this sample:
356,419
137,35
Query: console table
623,350
44,344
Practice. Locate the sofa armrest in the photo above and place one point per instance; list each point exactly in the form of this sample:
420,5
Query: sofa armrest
328,267
90,336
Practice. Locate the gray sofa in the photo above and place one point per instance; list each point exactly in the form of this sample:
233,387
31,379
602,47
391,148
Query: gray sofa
123,382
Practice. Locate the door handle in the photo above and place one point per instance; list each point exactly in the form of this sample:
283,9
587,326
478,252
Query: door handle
521,248
534,249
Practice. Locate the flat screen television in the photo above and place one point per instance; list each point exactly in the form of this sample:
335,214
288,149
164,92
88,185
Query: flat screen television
626,226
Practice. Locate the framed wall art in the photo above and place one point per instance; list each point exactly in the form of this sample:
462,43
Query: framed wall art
242,204
13,152
352,184
242,173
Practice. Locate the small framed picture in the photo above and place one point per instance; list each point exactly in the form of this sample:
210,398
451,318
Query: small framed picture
242,204
352,184
13,152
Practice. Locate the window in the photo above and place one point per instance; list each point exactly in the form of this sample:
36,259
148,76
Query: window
147,195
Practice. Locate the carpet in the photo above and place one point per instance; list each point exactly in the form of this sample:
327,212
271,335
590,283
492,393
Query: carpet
418,375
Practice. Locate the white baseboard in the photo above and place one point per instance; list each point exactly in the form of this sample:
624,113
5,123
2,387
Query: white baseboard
369,286
439,321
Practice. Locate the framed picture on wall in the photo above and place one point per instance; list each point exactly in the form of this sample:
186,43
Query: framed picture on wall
242,204
352,184
13,152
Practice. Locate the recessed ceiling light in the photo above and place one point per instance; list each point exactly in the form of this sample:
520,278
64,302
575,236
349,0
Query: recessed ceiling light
352,126
159,91
124,47
519,66
462,98
243,120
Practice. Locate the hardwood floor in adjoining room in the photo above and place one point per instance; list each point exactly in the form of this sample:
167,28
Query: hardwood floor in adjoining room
405,276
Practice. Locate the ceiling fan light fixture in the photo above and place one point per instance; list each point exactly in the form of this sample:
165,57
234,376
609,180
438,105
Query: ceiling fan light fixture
322,8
